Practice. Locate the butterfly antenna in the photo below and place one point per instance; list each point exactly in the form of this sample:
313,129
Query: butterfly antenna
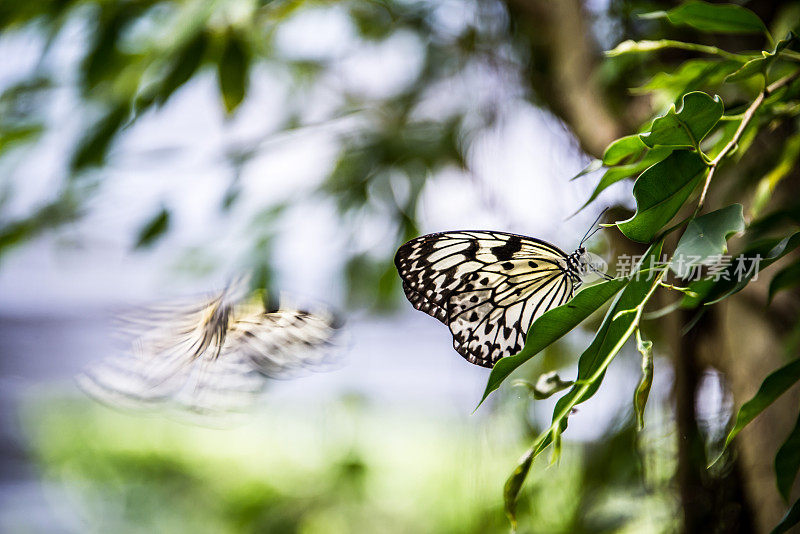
592,230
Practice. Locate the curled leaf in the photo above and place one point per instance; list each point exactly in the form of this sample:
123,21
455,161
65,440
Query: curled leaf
642,393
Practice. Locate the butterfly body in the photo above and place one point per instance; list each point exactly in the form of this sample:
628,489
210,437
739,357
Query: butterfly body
487,287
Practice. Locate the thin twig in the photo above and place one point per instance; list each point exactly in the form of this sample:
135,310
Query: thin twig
747,116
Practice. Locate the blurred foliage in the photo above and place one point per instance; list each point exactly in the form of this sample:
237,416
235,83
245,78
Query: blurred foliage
355,470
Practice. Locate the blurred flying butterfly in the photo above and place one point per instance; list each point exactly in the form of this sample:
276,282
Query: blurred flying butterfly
488,287
211,356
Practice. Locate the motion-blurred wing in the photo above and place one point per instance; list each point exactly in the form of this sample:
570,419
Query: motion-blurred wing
209,358
283,342
487,287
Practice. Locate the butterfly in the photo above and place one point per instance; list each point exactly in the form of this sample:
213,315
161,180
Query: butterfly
488,287
210,356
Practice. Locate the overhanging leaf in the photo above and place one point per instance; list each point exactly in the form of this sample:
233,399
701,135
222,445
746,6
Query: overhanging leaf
775,385
551,326
787,461
660,192
722,18
706,237
686,127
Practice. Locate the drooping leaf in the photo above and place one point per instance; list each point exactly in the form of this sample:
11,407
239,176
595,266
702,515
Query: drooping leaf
786,278
775,385
155,228
787,462
514,484
618,325
551,326
685,127
642,392
233,71
706,238
660,192
789,520
721,18
623,148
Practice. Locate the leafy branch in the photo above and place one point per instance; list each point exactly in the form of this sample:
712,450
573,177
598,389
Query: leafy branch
746,118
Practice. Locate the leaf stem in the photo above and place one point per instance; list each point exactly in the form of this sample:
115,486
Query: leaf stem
747,116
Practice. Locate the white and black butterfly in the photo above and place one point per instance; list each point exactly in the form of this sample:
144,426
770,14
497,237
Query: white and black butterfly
488,287
210,356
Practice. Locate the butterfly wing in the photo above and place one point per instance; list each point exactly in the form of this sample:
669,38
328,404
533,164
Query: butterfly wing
283,342
208,358
487,287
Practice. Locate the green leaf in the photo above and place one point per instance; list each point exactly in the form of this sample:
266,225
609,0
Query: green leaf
514,484
721,18
775,385
551,326
614,331
787,462
233,71
706,238
629,46
785,164
623,148
594,165
153,229
762,255
639,47
691,75
93,147
786,278
183,65
760,65
620,172
789,520
660,192
688,126
642,392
